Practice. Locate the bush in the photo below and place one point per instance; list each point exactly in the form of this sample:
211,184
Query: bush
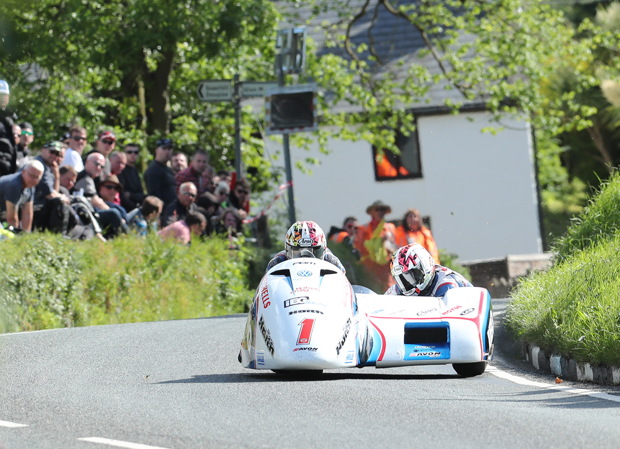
48,282
574,308
599,221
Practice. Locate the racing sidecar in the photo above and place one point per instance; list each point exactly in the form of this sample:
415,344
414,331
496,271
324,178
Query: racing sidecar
306,316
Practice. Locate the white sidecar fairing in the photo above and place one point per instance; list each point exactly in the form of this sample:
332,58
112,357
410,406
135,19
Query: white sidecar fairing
306,316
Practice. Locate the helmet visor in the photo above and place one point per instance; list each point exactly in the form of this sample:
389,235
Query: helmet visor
410,280
297,251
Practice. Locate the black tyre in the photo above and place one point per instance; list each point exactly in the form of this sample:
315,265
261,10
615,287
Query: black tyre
469,369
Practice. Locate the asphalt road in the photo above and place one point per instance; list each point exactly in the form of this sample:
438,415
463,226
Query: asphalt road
178,384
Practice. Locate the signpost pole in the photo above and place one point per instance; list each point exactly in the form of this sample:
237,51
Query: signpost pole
286,149
237,103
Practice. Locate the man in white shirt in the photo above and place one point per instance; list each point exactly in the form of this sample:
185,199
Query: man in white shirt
77,142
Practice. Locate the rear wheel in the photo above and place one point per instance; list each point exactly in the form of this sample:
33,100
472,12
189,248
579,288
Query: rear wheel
469,369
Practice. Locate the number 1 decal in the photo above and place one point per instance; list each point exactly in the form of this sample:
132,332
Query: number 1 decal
305,332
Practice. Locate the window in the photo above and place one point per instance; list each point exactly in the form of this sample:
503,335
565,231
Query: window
406,165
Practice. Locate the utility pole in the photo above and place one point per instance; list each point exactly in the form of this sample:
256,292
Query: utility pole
237,103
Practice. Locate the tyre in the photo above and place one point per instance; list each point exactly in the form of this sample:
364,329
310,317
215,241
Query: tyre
469,369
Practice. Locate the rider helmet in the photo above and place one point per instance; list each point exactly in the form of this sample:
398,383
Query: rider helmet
305,238
413,269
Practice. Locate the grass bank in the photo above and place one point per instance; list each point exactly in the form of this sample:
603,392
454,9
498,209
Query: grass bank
573,309
49,282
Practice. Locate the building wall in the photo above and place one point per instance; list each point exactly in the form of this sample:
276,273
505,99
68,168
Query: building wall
478,188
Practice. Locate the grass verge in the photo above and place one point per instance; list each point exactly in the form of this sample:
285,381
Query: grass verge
49,282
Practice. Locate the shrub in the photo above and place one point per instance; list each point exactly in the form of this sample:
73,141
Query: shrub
48,281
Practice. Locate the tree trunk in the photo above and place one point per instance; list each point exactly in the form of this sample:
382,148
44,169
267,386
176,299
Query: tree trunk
599,142
157,95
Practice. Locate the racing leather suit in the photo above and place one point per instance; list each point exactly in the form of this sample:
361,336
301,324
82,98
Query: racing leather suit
445,279
328,256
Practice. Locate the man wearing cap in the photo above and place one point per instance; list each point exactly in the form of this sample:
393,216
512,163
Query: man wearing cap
26,137
77,143
133,193
179,208
158,177
376,246
109,189
8,147
51,208
17,191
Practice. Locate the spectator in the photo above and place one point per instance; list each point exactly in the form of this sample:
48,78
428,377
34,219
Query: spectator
179,208
159,178
109,189
17,191
138,220
66,138
118,162
133,193
182,230
51,208
77,142
109,219
17,132
26,137
224,176
105,144
347,233
222,190
412,231
8,146
376,245
212,210
178,162
195,173
230,223
68,176
239,198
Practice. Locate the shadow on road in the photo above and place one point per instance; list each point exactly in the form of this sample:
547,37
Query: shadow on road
273,377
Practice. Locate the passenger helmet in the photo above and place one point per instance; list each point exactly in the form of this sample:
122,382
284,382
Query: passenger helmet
305,238
413,269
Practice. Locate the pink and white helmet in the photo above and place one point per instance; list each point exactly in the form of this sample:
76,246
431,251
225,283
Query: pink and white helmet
305,238
413,268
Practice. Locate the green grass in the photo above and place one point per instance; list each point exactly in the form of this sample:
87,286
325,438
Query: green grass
49,282
599,221
574,308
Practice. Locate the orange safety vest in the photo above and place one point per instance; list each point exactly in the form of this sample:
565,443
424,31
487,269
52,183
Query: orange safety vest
422,236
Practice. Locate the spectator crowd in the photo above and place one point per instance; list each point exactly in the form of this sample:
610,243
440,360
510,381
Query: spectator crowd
101,193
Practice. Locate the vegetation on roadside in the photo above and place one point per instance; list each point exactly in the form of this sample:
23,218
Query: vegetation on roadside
49,282
574,308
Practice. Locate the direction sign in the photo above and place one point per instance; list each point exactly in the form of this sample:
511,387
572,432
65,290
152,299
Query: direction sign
255,88
215,90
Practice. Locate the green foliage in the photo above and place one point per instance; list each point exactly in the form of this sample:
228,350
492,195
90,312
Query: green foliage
450,260
574,308
598,223
50,282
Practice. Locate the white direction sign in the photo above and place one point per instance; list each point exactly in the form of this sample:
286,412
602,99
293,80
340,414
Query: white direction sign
215,90
255,88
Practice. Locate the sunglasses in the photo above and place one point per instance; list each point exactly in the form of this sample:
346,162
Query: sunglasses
132,151
78,138
54,152
98,165
110,187
107,141
25,132
190,194
352,227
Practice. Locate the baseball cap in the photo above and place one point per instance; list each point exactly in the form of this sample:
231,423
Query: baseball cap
53,145
164,143
4,87
107,135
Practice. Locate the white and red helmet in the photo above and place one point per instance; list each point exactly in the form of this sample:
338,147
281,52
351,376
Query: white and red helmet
304,238
413,268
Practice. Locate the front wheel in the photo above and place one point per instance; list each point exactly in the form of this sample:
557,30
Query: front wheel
470,369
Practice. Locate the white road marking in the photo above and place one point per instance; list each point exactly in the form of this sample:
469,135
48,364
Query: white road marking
11,424
577,391
118,443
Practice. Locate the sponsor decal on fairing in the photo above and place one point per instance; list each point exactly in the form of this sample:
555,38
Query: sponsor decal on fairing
426,312
452,309
266,335
350,357
306,349
304,273
467,311
296,301
293,312
345,334
260,358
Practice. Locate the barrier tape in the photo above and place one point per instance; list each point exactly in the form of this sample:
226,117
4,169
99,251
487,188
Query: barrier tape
282,188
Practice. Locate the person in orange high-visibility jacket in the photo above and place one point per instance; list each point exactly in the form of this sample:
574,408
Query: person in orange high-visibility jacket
348,231
377,270
412,231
